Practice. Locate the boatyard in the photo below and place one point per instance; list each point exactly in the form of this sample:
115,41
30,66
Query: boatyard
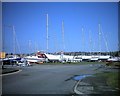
67,49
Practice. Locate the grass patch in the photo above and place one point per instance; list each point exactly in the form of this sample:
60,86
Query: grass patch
112,78
117,64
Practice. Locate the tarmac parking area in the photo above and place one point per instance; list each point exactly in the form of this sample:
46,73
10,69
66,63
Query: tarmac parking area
48,79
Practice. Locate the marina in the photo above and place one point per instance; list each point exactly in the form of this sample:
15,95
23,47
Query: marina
60,48
44,56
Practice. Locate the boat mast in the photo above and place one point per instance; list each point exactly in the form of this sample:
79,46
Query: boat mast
36,49
83,41
63,36
105,40
29,46
47,33
55,42
119,49
93,47
99,40
90,42
14,49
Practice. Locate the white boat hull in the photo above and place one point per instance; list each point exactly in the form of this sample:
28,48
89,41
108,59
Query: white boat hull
34,59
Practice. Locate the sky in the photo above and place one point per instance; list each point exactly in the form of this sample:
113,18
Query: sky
88,26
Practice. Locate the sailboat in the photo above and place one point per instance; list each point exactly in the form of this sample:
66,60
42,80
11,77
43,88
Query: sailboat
36,58
102,57
54,57
13,56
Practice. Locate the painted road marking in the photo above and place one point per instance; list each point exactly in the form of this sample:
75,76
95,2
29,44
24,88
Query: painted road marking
11,73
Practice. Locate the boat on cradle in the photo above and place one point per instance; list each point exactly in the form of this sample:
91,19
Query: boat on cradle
96,58
14,57
103,57
53,57
62,58
37,58
79,58
93,57
76,59
86,58
11,59
113,59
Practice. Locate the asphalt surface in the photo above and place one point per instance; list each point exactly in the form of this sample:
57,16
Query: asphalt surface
46,79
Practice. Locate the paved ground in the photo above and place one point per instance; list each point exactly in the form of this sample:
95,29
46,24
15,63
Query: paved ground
46,79
9,70
96,85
